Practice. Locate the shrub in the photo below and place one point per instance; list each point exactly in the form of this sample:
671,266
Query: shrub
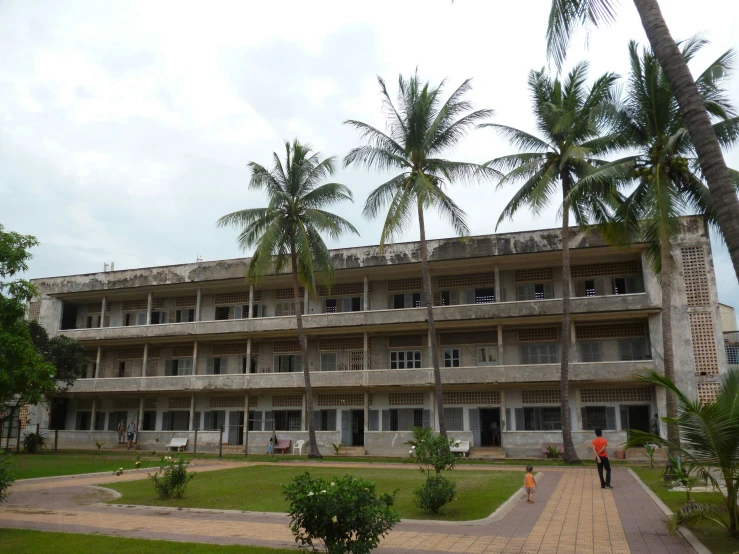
433,453
345,515
99,445
33,442
553,452
650,449
172,477
6,477
435,493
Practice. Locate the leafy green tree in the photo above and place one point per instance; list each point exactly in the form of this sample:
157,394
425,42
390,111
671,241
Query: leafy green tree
25,376
421,128
68,355
668,179
287,233
566,15
575,122
709,441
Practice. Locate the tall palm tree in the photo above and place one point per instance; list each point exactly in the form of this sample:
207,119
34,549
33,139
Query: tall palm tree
287,233
566,15
669,181
421,129
709,440
574,120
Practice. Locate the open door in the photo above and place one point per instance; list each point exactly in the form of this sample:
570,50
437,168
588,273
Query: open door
346,427
236,427
475,426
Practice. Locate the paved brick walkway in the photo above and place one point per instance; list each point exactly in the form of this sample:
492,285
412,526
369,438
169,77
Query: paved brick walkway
572,515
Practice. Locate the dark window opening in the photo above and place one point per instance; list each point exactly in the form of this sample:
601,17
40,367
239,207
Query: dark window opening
398,301
184,316
446,299
287,420
150,421
485,296
330,305
222,312
69,316
121,369
590,288
356,304
83,421
416,299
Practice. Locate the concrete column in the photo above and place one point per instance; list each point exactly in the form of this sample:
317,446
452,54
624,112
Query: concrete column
195,358
192,412
140,419
251,299
366,412
248,355
577,420
366,293
304,425
98,360
102,312
306,302
365,353
198,302
498,287
145,361
92,416
245,430
503,417
148,309
432,411
573,342
500,345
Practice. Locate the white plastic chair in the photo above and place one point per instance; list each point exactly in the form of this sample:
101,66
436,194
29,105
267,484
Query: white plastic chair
299,447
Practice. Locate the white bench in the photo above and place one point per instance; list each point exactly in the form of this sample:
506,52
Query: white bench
179,444
461,446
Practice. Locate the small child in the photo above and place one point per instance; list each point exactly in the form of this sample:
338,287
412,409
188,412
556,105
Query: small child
530,483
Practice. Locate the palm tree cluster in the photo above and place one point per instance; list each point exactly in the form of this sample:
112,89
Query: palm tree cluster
579,126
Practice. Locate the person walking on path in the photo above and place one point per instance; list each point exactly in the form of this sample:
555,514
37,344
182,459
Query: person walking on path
121,428
529,483
131,432
601,457
654,427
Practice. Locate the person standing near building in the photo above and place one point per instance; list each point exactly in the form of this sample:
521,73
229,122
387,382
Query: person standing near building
601,457
132,430
121,428
654,427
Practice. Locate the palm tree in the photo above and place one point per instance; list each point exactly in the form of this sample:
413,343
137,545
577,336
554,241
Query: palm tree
669,182
420,130
287,233
566,15
709,434
572,119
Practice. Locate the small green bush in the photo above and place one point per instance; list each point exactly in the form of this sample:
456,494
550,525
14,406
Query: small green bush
33,442
172,477
346,515
435,493
6,477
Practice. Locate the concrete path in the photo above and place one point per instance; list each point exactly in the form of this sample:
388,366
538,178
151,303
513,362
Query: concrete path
572,514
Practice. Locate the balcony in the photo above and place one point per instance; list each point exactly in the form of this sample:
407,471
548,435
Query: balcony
599,372
367,320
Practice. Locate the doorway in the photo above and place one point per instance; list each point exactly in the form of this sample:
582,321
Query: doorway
58,419
490,427
357,427
635,418
236,427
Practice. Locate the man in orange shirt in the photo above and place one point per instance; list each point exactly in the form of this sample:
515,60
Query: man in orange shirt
601,457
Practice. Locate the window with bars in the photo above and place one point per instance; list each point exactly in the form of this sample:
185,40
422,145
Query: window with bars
487,355
405,359
732,354
407,300
451,357
351,304
286,308
534,291
598,417
288,363
217,366
635,348
453,419
329,361
544,353
405,419
590,351
538,418
325,420
287,420
356,360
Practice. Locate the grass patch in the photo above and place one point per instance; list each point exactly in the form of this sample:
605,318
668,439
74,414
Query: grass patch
710,534
479,493
21,541
27,466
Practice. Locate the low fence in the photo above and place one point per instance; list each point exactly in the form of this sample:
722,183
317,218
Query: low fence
12,436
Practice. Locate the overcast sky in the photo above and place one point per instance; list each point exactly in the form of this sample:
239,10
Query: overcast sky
126,127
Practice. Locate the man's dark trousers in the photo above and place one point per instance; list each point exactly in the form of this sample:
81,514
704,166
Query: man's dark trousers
604,464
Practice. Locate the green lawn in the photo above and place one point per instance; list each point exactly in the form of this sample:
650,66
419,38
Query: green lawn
709,533
258,489
20,541
27,466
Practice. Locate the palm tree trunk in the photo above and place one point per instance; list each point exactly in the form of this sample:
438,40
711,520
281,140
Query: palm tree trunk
313,452
432,327
569,455
698,123
668,355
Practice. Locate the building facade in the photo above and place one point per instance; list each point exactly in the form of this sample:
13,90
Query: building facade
195,346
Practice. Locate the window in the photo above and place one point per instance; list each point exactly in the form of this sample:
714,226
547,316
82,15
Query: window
405,359
134,318
93,321
91,370
328,361
626,285
539,419
329,306
124,369
590,288
353,304
257,310
485,296
159,317
184,316
288,363
590,351
150,421
534,291
408,300
406,419
545,353
217,366
284,308
222,313
449,297
214,420
325,420
598,417
252,367
176,421
287,420
633,349
178,366
83,420
451,357
453,419
100,421
487,355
